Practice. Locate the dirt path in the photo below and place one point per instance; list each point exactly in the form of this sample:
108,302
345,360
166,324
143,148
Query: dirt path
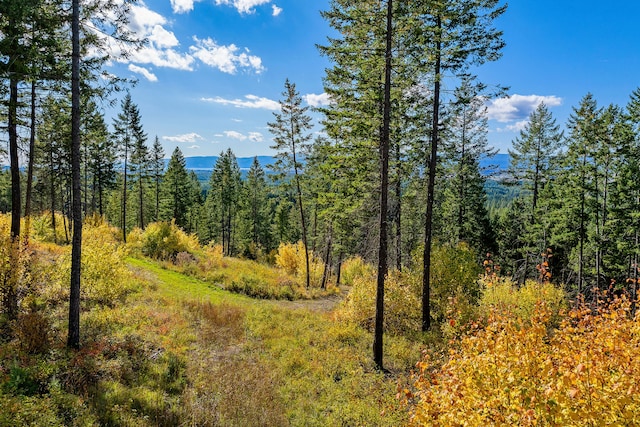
320,305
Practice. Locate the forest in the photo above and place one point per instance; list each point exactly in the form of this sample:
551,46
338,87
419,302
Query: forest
378,273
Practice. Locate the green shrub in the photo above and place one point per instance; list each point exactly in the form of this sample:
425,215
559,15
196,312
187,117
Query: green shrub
106,280
162,240
454,291
21,381
354,268
503,295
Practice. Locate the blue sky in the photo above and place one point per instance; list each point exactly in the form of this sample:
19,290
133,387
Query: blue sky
214,70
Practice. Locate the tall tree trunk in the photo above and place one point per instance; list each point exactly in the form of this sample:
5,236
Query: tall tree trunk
157,197
76,248
10,296
141,201
461,176
339,269
52,189
124,195
398,211
327,258
582,228
433,162
13,158
384,186
302,219
32,145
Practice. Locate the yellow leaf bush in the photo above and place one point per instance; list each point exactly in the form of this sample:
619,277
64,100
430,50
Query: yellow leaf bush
514,372
105,276
162,240
454,291
501,294
291,258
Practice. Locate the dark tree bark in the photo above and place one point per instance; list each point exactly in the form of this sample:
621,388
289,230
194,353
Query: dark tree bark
433,162
32,145
384,186
73,340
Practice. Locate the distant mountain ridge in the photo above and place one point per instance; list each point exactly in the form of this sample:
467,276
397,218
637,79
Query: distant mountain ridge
496,164
207,162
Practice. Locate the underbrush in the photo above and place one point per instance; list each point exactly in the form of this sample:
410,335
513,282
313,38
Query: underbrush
454,292
516,371
182,253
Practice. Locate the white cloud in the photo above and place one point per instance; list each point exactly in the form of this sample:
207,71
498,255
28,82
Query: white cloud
276,10
160,50
518,107
142,19
162,38
235,135
516,127
187,137
243,6
225,58
168,58
146,73
256,137
194,147
250,101
317,100
252,136
182,6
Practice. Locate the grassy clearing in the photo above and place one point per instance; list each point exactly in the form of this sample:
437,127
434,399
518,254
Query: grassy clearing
317,371
177,350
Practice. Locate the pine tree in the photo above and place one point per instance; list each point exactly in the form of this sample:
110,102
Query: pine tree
140,161
100,160
290,129
255,214
532,165
124,137
577,181
456,34
223,199
534,152
175,190
73,340
465,218
157,171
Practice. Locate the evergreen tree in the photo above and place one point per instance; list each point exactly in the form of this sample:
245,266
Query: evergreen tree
223,199
465,217
140,161
195,204
175,190
100,160
534,152
576,183
123,134
532,165
455,34
290,129
73,340
255,210
157,171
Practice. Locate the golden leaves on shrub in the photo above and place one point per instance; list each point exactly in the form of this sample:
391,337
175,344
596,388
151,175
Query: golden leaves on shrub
514,372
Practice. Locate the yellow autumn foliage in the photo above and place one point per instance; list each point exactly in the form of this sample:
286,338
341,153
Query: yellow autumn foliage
162,240
454,291
105,276
291,258
517,373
